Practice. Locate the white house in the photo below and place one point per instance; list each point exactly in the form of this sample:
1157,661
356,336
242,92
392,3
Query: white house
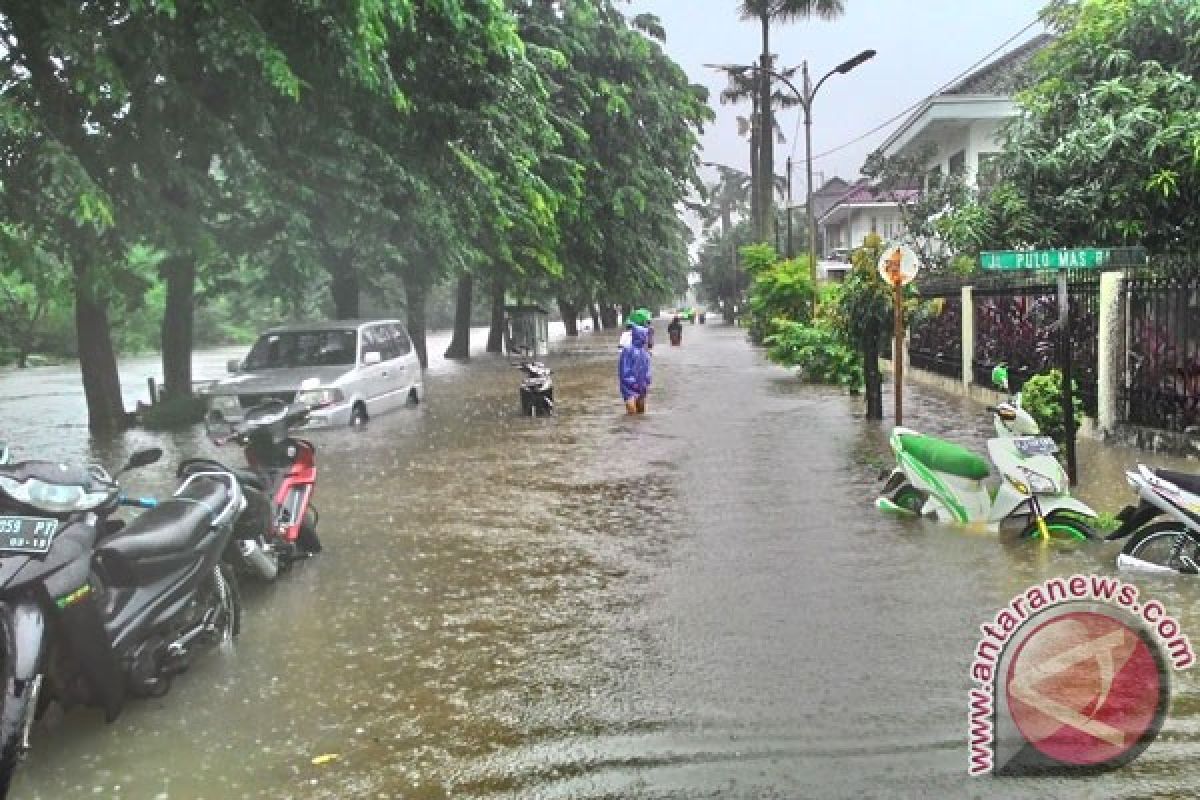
859,211
962,123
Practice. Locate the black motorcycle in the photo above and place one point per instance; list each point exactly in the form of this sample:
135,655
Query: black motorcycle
94,611
537,389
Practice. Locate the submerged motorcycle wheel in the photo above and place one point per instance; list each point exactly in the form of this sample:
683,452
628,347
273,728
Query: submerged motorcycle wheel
1165,544
910,499
1062,528
224,600
307,541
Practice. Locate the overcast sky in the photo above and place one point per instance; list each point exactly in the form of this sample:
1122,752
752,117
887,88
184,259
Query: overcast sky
921,44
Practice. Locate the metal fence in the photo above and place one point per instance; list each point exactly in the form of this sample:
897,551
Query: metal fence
935,331
1016,324
1162,375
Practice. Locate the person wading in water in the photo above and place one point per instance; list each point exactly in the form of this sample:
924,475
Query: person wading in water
633,371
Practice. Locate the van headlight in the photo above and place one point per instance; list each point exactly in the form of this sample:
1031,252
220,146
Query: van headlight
319,398
225,403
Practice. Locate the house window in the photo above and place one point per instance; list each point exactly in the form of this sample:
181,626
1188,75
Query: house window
958,163
989,171
934,178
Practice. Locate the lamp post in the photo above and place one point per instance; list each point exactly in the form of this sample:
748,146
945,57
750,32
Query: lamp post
805,97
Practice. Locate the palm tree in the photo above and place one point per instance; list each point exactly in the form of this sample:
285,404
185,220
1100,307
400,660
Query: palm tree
729,195
744,86
766,12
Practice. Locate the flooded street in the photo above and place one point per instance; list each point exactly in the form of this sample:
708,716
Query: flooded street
702,602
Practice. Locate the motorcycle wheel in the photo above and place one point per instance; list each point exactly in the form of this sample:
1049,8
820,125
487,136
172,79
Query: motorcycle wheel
1167,544
307,540
910,499
1062,528
12,715
224,597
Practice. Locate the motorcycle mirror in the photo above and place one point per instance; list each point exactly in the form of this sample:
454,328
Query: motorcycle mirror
142,458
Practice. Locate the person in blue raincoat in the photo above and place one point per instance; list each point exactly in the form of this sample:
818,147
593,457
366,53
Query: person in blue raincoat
633,371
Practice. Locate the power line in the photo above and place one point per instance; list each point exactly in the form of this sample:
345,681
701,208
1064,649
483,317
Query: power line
923,100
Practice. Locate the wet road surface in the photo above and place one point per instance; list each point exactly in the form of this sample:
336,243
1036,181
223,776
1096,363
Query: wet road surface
701,602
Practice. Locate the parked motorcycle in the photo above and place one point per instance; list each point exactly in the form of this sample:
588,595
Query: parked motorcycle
1163,529
537,389
946,481
279,524
92,613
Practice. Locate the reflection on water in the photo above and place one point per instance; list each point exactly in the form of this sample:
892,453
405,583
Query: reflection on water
701,602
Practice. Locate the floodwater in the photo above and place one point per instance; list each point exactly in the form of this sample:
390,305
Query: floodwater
701,602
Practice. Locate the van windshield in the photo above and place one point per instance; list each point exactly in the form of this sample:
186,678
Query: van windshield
334,348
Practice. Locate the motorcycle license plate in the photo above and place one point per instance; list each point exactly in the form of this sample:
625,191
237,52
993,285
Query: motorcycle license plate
26,534
1036,446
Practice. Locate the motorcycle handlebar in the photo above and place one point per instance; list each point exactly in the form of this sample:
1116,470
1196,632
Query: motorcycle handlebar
137,502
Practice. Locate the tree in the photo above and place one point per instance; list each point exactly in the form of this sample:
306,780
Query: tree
766,12
1107,149
866,313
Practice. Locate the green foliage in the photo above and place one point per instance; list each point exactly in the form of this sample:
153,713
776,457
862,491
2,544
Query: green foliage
820,353
780,289
1041,396
1108,149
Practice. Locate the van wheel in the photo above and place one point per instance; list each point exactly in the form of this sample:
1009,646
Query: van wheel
358,416
413,398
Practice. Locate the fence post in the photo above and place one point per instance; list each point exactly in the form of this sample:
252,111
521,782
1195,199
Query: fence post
1110,352
967,313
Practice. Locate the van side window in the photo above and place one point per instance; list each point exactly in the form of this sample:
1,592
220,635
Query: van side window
388,347
403,344
370,341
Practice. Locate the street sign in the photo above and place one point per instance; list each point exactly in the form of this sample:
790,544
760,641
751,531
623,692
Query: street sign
1075,258
898,265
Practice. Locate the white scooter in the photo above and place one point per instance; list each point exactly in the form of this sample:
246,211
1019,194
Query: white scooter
945,481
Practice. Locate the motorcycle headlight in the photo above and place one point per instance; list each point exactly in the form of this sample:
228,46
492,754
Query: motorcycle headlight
319,398
1039,483
52,497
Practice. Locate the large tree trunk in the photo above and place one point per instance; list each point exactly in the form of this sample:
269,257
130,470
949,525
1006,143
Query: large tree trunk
872,378
460,342
495,342
97,361
414,295
178,325
344,288
608,316
570,316
595,316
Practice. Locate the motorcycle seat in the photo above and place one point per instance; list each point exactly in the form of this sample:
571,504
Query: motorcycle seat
1185,481
173,526
245,477
943,456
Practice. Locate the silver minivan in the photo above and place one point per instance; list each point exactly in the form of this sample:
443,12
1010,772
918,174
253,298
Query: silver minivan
348,370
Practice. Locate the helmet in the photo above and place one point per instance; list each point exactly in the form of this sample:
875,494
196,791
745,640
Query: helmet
1000,376
640,317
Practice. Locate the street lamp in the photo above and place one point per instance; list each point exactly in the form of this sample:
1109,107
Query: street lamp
805,97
